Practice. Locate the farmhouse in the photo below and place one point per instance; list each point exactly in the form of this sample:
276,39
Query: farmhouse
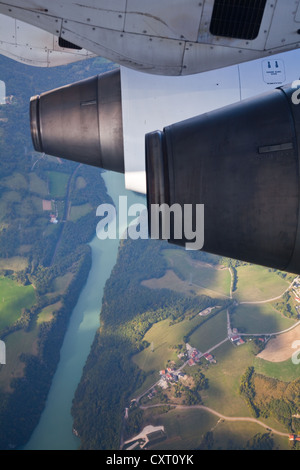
191,362
209,358
237,340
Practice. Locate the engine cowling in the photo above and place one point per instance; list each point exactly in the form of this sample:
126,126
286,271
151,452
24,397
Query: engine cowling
81,122
242,163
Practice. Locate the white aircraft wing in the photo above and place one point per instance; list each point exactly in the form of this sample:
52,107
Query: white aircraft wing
34,46
168,37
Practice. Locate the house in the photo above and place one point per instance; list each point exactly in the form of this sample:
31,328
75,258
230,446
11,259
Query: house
209,358
234,338
240,341
237,340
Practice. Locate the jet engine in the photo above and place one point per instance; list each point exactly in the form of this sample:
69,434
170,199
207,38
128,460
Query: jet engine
81,122
240,162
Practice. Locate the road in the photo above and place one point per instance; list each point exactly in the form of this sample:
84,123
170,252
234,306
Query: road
220,415
66,211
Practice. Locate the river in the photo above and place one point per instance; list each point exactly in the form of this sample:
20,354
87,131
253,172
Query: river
54,430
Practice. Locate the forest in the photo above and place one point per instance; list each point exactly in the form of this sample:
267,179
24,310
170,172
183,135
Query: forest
269,397
47,252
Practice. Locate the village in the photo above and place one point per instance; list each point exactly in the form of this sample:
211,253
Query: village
178,383
191,356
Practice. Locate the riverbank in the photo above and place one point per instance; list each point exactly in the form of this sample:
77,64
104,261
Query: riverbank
54,431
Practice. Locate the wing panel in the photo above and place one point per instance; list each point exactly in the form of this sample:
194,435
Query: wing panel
152,55
33,46
164,19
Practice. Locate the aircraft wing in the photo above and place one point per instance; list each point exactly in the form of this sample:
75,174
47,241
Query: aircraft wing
33,46
168,37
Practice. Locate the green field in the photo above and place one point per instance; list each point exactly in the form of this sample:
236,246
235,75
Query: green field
205,276
11,196
79,211
17,343
235,435
47,314
61,283
260,318
285,370
224,379
212,332
37,185
80,182
163,337
22,342
58,183
15,182
256,283
186,428
13,298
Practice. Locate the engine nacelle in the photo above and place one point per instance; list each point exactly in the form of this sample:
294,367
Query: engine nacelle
81,122
242,163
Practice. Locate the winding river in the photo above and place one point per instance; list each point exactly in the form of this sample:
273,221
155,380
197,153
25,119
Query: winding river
54,431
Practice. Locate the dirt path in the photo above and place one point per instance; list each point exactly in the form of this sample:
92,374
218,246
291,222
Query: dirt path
221,416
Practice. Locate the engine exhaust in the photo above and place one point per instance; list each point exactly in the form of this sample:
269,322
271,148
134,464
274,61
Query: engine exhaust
81,122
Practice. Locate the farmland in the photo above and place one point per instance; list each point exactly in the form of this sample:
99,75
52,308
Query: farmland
13,299
252,312
256,283
211,279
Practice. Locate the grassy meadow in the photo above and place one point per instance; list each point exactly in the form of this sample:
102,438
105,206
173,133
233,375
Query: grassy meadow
209,279
58,182
13,298
256,283
259,318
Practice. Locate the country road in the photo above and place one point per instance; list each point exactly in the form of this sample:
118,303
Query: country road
219,415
